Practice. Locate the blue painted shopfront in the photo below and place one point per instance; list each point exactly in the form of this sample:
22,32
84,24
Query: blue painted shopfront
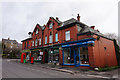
73,51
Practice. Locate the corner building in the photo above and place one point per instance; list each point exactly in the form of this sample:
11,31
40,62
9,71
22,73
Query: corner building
69,43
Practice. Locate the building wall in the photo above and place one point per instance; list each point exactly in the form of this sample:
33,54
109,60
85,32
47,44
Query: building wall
73,34
30,44
84,36
53,31
104,57
38,36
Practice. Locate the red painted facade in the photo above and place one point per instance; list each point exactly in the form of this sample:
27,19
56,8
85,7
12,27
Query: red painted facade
47,32
101,54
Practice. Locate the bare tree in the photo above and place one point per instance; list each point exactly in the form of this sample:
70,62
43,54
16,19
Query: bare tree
113,36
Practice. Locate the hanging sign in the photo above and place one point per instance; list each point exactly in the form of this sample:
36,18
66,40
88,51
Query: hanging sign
41,53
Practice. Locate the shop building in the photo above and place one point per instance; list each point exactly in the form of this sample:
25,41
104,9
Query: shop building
71,43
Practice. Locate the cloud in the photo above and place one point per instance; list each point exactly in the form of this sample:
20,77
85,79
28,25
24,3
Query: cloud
18,18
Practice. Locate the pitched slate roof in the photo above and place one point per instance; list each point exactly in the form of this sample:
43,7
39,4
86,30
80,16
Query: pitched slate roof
66,23
85,28
58,21
42,27
26,39
88,29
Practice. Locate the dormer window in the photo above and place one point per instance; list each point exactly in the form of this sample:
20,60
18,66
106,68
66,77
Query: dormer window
37,31
50,25
62,24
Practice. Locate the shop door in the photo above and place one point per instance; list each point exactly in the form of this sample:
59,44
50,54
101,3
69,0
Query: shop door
77,56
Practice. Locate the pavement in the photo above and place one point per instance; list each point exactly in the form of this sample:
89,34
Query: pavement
75,70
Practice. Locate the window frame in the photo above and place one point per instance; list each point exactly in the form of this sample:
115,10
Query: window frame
67,35
50,38
45,39
56,37
33,43
51,25
39,41
36,32
36,42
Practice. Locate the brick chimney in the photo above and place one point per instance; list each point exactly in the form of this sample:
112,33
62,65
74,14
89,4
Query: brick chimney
97,30
8,38
57,18
93,27
78,17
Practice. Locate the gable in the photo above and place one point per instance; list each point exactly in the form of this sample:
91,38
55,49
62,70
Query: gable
37,27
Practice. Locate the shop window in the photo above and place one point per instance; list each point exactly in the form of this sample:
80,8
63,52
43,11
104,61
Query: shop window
67,35
45,39
84,55
40,41
72,56
50,38
67,56
56,37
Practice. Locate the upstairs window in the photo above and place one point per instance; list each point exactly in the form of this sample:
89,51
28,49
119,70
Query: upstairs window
36,42
56,37
33,43
40,41
36,31
50,38
27,44
67,35
45,39
50,25
62,24
79,28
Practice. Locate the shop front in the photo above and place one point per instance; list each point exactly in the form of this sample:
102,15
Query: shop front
37,54
76,53
54,55
27,52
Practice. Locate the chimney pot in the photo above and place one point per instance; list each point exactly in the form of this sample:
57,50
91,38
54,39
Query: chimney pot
57,18
93,27
78,17
97,30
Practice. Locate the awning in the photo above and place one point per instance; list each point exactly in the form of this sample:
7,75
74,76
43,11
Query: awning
26,50
79,43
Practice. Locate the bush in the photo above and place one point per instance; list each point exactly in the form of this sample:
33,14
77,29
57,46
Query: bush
108,68
4,56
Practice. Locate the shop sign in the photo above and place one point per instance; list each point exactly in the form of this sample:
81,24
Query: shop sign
56,51
41,53
75,44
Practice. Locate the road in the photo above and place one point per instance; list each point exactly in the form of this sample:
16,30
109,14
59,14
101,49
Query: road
11,69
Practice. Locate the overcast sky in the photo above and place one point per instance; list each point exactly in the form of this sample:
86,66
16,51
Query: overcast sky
19,18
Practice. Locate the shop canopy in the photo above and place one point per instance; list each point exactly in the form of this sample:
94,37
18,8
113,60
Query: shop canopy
79,42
